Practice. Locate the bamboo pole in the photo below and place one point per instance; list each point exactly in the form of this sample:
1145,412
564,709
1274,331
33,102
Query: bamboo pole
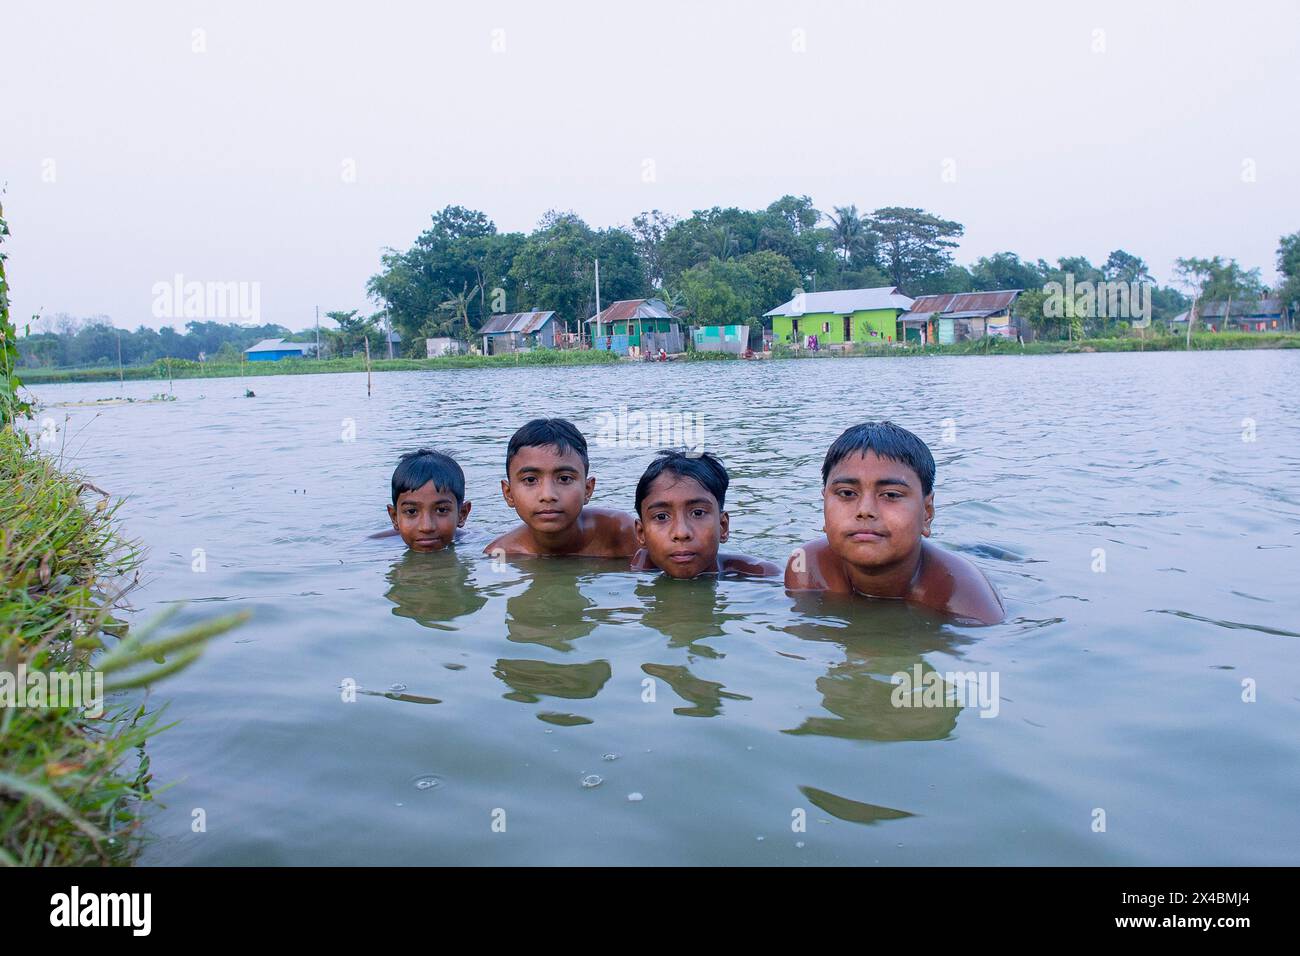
367,338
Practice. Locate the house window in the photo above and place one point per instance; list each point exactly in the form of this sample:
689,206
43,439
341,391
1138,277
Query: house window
826,327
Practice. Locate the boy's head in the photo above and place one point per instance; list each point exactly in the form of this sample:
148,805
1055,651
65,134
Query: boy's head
680,519
546,474
428,499
877,494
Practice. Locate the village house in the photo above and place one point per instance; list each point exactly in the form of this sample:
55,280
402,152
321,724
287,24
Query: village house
1243,315
960,317
838,319
638,326
518,332
272,350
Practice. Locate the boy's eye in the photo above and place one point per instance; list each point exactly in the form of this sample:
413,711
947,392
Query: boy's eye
845,493
565,479
698,513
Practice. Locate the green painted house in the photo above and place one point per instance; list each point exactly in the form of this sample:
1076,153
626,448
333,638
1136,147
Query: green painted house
863,316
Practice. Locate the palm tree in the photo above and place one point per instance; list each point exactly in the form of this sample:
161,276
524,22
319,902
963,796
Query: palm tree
717,242
458,305
850,232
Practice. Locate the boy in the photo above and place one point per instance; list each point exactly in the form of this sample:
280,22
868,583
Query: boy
428,500
680,519
878,502
548,486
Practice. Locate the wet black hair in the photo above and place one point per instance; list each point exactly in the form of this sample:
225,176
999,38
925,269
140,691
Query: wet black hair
703,467
556,433
416,469
888,441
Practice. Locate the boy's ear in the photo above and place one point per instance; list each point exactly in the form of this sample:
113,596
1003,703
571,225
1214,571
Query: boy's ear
505,492
640,532
464,513
392,516
724,520
929,515
591,486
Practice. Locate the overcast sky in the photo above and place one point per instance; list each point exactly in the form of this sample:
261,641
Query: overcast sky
134,148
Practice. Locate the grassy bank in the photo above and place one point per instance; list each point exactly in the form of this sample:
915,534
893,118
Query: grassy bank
73,780
1202,341
164,369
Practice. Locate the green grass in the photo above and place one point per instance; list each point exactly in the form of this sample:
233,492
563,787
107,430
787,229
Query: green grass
72,787
180,368
1201,341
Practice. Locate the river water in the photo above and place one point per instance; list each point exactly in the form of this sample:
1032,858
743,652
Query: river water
1139,513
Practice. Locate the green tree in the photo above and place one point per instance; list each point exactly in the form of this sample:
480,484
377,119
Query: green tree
1003,270
1288,268
915,245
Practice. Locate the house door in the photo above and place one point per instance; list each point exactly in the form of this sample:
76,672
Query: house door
848,328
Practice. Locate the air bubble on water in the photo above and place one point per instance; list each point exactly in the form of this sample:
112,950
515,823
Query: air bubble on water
798,845
426,781
634,798
592,780
610,756
397,688
760,839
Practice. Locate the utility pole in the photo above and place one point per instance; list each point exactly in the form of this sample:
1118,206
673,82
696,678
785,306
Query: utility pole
318,333
599,334
388,332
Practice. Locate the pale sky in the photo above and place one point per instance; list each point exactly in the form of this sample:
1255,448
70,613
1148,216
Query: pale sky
133,149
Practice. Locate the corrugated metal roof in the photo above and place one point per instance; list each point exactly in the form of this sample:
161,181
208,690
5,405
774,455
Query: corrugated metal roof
278,345
522,322
627,309
975,303
1269,308
844,301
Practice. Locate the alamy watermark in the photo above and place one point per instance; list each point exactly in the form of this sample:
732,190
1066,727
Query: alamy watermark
179,299
655,428
39,689
973,689
1098,300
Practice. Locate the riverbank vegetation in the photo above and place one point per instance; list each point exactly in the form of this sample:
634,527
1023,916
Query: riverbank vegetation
73,779
715,267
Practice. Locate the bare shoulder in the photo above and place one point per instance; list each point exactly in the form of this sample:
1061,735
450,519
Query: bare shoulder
615,531
952,584
814,567
744,564
512,542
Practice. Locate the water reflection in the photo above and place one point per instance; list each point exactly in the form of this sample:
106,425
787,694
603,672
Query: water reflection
706,696
551,610
432,589
686,612
878,639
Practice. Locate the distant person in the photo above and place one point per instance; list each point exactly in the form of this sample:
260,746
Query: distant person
548,486
878,502
663,354
429,506
680,521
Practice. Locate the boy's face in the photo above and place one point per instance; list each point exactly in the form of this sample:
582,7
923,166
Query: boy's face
546,488
681,526
875,512
427,518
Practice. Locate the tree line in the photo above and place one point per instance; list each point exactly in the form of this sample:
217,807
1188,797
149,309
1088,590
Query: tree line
715,267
